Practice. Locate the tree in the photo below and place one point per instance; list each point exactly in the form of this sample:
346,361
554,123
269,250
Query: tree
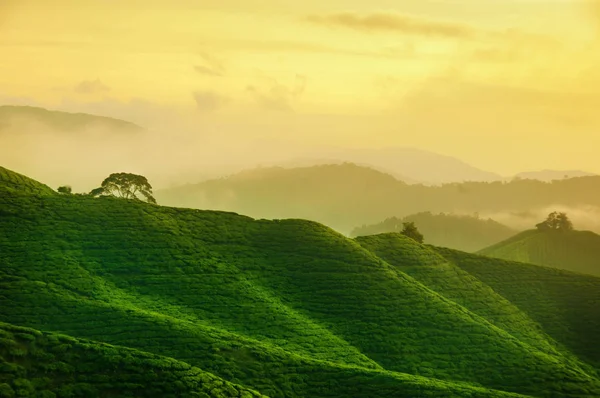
410,229
556,222
66,189
125,185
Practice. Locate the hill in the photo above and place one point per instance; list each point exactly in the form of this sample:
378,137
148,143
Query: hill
416,164
35,363
577,251
550,175
19,118
347,195
288,308
461,232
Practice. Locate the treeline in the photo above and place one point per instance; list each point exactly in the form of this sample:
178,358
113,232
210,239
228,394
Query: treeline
461,232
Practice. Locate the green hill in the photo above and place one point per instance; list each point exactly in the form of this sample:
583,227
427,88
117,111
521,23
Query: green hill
16,118
12,182
565,304
33,363
577,251
461,232
287,308
345,196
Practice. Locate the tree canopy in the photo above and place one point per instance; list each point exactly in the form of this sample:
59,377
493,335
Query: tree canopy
66,189
410,229
125,185
556,222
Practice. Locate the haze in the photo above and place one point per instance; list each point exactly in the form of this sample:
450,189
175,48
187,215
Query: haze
508,86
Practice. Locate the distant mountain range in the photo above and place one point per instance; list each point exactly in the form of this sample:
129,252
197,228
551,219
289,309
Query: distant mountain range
15,118
410,165
345,196
461,232
551,175
577,251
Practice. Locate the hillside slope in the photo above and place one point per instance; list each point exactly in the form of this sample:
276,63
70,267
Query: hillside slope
577,251
565,304
461,232
287,308
33,363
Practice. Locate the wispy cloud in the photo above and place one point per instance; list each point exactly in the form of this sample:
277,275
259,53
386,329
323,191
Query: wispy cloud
208,100
210,66
393,22
277,96
91,87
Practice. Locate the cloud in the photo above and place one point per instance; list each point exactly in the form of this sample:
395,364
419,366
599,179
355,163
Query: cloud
208,100
210,66
276,96
393,22
91,87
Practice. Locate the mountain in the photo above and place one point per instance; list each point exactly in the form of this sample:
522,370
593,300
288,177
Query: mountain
550,175
416,164
286,308
577,251
19,118
462,232
347,195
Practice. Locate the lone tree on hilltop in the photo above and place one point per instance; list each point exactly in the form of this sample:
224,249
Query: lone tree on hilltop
410,229
125,185
556,222
66,189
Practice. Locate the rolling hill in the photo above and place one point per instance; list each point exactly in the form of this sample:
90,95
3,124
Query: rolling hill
285,308
461,232
347,195
577,251
19,118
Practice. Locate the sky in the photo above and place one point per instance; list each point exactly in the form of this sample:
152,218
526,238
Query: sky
505,85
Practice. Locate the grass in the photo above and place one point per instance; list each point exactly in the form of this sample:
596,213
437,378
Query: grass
288,308
577,251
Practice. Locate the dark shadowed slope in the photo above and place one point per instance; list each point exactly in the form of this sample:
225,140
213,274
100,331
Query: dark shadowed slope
565,304
17,119
287,308
461,232
455,275
34,363
577,251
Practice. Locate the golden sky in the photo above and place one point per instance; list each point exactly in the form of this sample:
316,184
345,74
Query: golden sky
507,85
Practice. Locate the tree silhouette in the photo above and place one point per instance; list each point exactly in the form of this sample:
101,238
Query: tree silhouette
410,229
125,185
556,222
66,189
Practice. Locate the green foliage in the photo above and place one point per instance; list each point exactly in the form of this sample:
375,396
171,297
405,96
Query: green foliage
563,303
288,308
51,365
462,232
410,230
577,251
125,185
556,222
66,189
